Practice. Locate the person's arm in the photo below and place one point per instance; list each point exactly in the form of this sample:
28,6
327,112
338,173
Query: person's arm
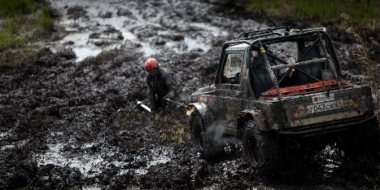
170,84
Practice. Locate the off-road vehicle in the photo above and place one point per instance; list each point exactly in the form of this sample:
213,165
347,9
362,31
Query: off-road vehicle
278,87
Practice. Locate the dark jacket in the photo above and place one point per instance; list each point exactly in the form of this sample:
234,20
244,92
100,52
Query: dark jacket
160,85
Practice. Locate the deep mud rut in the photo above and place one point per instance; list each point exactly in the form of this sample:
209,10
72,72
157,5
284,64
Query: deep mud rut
72,123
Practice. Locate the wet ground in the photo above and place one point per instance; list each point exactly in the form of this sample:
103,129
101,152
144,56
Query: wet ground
69,120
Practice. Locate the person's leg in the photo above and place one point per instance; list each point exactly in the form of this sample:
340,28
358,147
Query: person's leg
159,105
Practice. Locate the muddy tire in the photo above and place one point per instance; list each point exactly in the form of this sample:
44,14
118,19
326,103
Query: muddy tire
261,149
203,140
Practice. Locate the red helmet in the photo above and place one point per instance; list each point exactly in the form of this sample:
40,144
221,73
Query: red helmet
151,64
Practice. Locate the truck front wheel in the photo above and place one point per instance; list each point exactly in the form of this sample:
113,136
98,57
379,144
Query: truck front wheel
203,139
261,148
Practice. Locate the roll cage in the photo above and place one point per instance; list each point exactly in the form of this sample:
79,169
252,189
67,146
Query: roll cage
306,42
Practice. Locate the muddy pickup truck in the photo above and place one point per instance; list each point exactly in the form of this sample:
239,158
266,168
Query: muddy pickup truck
281,89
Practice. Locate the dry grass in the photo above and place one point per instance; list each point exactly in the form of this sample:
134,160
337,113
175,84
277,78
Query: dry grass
361,52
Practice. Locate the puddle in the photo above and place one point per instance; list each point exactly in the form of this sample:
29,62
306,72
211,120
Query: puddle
53,134
333,160
80,29
3,135
193,44
159,156
99,187
92,188
16,144
91,165
85,163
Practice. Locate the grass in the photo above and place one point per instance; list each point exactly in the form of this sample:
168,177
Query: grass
22,22
365,12
362,53
8,41
46,22
11,8
177,134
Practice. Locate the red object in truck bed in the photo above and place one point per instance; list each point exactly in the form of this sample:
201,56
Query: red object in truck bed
305,88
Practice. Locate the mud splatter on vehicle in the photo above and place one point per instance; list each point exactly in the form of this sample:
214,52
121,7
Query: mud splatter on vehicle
280,90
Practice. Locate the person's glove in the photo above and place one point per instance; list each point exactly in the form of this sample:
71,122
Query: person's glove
170,95
153,111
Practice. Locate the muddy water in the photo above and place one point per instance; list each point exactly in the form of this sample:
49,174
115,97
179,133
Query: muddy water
96,26
73,123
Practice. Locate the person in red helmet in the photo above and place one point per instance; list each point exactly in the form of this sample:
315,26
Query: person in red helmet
161,84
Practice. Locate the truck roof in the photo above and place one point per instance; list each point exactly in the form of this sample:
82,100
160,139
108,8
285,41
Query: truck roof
241,46
276,34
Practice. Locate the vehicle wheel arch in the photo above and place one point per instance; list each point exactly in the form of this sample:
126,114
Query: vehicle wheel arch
203,111
255,115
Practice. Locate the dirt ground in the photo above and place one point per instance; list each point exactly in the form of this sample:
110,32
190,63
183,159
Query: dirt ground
75,125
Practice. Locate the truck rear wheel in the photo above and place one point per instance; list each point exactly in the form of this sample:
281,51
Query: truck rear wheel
362,140
202,139
261,149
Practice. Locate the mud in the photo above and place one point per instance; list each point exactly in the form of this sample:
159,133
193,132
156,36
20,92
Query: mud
69,120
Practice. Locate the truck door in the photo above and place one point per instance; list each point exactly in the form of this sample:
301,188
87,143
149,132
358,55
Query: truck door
229,91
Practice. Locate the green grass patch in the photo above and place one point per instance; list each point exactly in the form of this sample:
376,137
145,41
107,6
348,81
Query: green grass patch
8,41
363,12
21,22
44,21
12,25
